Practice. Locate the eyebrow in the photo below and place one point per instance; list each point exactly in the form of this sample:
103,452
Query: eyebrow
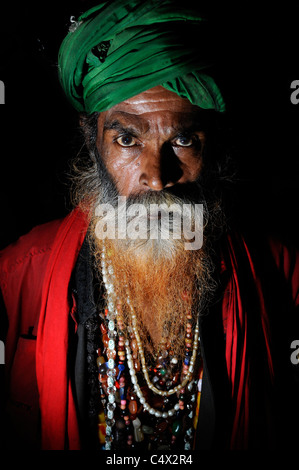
138,128
124,122
118,126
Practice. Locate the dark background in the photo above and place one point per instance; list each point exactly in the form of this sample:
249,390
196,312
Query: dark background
39,130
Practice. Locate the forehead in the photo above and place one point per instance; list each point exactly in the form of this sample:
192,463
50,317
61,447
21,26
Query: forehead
156,106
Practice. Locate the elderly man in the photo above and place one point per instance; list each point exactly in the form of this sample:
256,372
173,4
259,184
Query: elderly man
127,342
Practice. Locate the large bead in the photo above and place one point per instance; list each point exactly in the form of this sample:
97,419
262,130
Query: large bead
111,354
157,401
161,427
100,360
138,432
175,377
105,340
133,407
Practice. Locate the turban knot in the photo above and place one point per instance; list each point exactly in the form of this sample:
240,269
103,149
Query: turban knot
121,48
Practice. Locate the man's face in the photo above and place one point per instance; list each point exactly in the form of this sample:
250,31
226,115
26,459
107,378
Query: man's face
152,141
148,143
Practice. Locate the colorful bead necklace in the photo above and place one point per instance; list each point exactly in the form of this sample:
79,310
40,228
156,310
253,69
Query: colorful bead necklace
168,397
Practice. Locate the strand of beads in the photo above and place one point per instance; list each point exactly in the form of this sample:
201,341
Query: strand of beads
190,366
139,393
111,312
123,352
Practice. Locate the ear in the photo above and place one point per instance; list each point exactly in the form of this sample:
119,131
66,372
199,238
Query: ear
89,124
82,119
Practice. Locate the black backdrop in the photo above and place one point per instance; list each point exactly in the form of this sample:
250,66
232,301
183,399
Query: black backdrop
38,128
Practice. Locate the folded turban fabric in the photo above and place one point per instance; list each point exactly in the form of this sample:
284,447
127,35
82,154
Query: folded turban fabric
121,48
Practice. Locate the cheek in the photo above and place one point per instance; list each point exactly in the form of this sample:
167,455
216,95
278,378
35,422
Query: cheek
195,169
191,167
124,175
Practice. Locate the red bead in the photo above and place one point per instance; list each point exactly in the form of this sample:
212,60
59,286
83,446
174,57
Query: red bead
102,378
111,354
105,340
175,377
133,407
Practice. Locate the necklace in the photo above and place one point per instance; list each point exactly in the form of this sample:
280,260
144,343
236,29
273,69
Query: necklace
124,380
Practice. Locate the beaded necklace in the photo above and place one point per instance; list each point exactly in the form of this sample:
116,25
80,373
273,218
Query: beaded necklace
168,397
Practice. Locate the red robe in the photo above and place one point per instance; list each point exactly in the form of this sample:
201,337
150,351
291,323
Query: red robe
35,273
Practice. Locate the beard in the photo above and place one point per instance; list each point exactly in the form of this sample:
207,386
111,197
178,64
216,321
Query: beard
166,283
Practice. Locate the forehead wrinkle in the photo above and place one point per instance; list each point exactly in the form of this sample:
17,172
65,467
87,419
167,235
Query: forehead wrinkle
123,120
127,121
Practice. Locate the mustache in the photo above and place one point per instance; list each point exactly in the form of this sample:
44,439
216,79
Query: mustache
188,193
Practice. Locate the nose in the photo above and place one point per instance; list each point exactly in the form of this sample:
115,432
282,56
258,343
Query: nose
160,169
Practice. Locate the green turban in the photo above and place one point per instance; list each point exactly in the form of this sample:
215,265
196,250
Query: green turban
121,48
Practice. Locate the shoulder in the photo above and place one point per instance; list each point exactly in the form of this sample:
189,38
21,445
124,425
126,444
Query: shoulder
36,243
43,239
27,259
268,258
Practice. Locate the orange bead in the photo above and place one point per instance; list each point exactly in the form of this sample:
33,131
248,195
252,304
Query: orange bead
105,340
133,407
111,354
100,360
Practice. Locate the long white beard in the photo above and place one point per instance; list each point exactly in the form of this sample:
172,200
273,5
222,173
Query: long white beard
162,289
158,224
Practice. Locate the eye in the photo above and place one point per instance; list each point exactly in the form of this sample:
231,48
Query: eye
126,140
183,141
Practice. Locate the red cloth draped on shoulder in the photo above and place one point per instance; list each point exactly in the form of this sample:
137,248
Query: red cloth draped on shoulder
58,413
241,317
